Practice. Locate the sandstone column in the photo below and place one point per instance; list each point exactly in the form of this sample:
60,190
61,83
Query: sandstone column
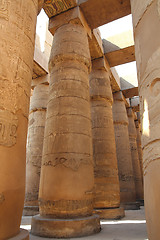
37,117
146,21
107,189
17,32
67,179
134,155
125,169
139,147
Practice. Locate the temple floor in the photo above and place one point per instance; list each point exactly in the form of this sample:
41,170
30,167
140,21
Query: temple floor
131,227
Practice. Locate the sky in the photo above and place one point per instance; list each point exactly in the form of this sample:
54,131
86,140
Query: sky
115,27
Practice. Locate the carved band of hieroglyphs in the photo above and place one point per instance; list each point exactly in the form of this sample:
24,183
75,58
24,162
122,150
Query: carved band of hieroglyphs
54,7
8,128
4,9
69,162
66,205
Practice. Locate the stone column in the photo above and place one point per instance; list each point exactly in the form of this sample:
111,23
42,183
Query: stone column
134,155
146,21
139,147
37,118
67,179
17,33
107,189
125,169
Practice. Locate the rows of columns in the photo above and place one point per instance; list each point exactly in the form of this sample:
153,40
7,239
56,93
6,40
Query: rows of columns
71,62
125,167
107,190
134,155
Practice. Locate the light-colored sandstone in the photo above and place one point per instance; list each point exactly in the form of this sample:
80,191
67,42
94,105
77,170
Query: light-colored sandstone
139,146
37,117
134,154
107,189
67,180
147,49
125,169
17,37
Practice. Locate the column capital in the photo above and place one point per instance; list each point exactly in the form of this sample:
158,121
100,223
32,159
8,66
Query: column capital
74,16
118,96
100,64
40,5
96,45
130,112
41,80
55,7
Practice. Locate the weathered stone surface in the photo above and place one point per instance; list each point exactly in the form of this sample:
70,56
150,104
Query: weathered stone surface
125,169
147,51
139,146
17,31
107,190
134,154
37,118
65,228
67,180
111,213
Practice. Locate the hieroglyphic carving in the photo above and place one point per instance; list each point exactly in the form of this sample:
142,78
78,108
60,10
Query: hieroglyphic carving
66,205
54,7
72,163
8,128
4,9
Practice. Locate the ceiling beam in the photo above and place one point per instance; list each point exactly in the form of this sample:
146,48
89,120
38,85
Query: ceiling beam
100,12
121,56
131,92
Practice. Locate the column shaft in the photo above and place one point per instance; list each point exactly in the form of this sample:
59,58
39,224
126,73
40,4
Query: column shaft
37,118
107,189
134,155
146,21
67,180
125,169
17,32
139,147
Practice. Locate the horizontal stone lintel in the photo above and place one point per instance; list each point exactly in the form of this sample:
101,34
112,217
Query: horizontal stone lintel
121,56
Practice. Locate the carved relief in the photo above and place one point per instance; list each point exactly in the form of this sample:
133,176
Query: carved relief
8,128
54,7
4,9
66,205
72,163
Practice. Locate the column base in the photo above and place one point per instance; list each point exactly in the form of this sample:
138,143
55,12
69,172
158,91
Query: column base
141,202
110,213
30,210
23,235
131,205
65,228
